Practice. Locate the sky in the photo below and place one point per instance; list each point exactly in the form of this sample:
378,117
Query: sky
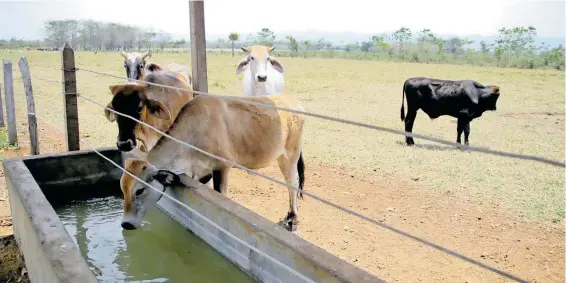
478,17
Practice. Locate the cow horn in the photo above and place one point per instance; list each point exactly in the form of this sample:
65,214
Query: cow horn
148,53
245,48
123,54
272,48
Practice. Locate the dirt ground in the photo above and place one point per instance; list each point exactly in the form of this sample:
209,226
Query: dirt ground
482,231
12,267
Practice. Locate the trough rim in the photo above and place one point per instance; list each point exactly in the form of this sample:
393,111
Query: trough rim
310,252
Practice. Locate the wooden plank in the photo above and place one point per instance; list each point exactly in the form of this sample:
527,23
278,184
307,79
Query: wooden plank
32,120
10,105
70,98
1,109
198,46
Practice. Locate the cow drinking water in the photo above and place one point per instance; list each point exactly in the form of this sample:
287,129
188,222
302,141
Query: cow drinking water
249,135
464,100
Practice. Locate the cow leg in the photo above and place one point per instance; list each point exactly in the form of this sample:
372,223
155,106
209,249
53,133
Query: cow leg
220,179
461,126
288,167
467,133
409,121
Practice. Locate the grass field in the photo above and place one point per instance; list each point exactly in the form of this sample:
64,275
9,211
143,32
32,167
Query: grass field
505,212
529,119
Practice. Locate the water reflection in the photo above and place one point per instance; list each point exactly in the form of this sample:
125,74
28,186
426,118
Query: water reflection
161,251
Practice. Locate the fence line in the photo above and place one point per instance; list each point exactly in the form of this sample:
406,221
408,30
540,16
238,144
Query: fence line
184,205
354,123
329,203
336,206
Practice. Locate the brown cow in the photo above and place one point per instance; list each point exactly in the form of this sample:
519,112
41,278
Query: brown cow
156,106
249,135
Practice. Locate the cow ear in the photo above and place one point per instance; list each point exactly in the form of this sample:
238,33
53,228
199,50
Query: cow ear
152,67
157,109
495,89
276,65
115,89
167,178
242,65
111,116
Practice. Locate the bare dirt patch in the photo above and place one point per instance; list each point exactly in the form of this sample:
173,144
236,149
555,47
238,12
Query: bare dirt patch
12,266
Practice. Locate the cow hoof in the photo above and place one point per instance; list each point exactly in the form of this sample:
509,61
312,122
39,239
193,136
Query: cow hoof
290,223
410,142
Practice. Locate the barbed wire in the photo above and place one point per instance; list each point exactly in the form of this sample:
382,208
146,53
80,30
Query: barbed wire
354,123
329,203
184,205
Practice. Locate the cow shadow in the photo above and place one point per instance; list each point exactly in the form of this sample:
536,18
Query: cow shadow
433,147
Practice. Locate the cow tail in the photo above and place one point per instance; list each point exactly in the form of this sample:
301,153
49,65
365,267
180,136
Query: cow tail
301,170
403,102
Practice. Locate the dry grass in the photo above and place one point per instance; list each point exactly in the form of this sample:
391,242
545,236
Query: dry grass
529,119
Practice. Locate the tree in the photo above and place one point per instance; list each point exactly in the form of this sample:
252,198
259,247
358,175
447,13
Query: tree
380,44
484,47
293,45
366,45
265,37
515,42
307,44
233,37
402,36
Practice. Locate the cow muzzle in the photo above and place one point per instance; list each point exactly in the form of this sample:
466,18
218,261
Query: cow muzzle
130,222
126,146
261,78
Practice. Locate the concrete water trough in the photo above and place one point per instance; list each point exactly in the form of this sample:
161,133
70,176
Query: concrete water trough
51,255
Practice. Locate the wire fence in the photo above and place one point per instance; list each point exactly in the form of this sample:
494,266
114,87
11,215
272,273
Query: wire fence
336,206
350,122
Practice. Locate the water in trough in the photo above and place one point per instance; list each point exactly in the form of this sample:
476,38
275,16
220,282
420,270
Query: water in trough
161,251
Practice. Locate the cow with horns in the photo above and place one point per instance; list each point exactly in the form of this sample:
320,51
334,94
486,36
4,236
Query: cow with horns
249,135
137,67
464,100
263,74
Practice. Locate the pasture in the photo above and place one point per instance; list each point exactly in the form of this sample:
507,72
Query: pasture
504,212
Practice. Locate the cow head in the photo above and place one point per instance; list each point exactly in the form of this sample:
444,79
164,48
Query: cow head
489,96
134,63
258,60
132,100
138,198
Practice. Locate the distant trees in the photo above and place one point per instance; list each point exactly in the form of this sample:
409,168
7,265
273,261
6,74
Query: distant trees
93,35
514,47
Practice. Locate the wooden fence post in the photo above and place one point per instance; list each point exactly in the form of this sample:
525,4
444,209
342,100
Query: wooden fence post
1,109
32,120
70,96
10,107
198,46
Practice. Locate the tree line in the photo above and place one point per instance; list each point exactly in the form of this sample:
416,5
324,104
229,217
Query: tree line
100,36
515,47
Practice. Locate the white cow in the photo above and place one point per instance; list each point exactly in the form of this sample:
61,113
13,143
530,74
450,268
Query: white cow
263,74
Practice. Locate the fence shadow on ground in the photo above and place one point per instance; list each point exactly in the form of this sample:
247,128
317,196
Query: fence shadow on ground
432,147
